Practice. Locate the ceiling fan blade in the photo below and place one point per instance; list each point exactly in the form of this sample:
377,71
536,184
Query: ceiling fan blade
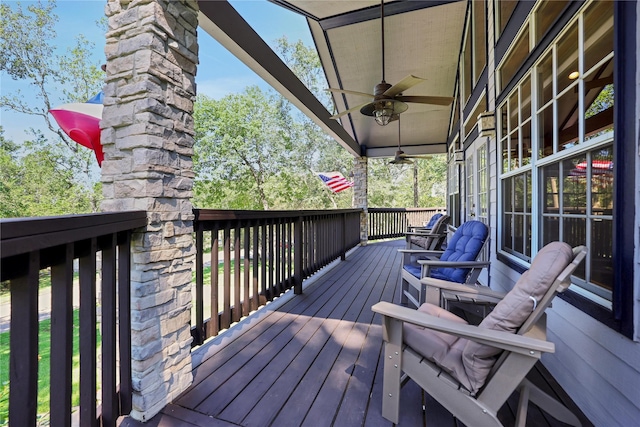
403,85
350,92
397,161
408,156
350,110
433,100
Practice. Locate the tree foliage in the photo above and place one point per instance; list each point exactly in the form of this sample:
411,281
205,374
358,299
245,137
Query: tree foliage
52,176
254,151
392,186
39,182
28,53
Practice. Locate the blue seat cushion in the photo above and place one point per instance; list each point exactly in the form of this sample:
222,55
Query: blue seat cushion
414,269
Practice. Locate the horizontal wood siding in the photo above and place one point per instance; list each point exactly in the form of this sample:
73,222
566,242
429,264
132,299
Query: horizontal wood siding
598,367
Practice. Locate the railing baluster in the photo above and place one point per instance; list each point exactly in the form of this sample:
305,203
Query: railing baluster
199,335
290,280
124,322
298,268
255,300
246,299
61,337
213,327
271,257
226,298
263,261
88,339
109,319
23,371
237,301
277,240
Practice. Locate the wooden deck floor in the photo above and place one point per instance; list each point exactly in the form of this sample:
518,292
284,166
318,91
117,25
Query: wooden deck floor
313,360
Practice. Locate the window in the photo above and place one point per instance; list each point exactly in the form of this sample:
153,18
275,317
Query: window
516,215
545,15
515,119
504,9
532,32
472,119
515,58
577,208
556,142
467,62
479,38
453,185
474,54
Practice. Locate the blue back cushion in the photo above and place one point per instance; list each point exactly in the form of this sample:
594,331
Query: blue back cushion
464,245
433,220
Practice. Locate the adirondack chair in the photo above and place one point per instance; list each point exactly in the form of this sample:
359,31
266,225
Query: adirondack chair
429,225
430,239
457,263
472,370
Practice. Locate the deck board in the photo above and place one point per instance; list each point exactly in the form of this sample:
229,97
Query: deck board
312,360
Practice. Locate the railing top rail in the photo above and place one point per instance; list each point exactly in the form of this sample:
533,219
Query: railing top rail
435,209
22,235
226,215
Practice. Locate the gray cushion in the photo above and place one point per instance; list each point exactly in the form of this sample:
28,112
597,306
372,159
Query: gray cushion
443,349
510,313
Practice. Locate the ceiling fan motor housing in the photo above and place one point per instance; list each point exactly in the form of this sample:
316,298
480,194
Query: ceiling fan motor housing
380,89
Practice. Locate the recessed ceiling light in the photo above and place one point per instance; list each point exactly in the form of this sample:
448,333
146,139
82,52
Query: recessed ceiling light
574,75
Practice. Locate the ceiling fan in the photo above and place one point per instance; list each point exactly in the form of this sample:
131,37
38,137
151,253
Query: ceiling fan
401,158
388,101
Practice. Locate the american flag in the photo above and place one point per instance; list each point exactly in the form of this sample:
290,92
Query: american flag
335,181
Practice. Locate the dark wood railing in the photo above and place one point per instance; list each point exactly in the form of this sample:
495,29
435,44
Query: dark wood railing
31,245
261,254
386,223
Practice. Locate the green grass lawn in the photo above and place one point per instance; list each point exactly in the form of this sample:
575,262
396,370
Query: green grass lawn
44,356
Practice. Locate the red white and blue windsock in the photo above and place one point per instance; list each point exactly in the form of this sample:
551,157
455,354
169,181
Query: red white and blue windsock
81,121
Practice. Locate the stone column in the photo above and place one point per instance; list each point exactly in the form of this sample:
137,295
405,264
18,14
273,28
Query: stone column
147,137
360,180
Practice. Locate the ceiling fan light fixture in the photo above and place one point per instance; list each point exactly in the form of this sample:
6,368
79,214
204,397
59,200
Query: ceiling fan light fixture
384,110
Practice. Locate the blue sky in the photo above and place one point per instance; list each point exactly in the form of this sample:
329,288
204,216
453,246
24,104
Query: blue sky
219,72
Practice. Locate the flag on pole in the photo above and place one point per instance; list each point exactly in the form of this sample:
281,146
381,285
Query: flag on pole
335,181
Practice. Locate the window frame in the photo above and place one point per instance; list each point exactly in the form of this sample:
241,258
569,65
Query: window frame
620,317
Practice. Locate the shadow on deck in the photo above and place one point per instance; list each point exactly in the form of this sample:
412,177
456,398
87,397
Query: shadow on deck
315,360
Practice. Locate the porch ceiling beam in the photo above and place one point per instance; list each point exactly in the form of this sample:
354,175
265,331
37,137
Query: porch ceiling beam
222,22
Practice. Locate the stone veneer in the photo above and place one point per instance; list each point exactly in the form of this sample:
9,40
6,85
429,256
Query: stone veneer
360,180
147,136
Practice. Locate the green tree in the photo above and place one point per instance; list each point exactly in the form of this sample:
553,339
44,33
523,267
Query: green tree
240,141
39,182
28,53
254,151
393,185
